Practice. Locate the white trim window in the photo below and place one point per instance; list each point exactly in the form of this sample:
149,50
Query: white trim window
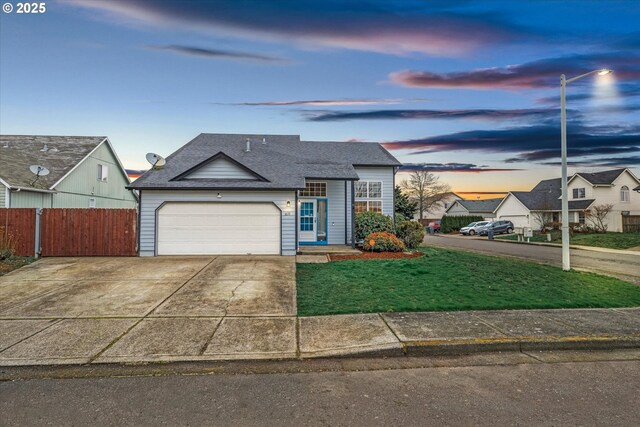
103,173
368,196
624,194
579,193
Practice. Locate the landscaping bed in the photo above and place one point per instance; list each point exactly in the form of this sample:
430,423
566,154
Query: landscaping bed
375,255
13,263
445,279
602,240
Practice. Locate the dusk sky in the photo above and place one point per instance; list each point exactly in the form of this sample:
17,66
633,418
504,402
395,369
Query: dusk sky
466,89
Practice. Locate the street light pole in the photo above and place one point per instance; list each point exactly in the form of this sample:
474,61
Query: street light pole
566,260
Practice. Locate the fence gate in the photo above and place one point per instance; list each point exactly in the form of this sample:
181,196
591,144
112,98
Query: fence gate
631,223
18,229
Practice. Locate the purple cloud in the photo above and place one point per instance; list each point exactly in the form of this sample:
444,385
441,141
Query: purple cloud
332,102
451,167
215,53
543,73
374,25
478,114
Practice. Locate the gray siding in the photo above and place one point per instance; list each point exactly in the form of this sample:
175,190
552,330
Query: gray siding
384,174
3,193
336,219
82,184
349,211
30,199
222,169
152,199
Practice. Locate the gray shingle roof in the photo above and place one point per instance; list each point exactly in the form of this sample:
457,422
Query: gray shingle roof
548,200
479,206
18,152
284,161
601,178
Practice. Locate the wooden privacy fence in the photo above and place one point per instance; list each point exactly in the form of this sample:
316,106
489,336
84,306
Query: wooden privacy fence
76,232
18,229
631,223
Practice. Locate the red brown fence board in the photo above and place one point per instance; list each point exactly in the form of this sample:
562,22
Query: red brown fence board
88,232
20,226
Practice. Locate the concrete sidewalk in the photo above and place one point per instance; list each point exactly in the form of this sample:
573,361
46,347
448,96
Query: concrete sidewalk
164,339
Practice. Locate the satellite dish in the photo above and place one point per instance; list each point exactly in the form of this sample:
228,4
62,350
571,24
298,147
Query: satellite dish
156,160
38,171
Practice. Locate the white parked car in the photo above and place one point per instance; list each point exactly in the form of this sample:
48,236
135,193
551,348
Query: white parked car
473,228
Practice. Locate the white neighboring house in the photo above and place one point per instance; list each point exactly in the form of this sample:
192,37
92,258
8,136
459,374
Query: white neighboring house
437,210
543,202
482,208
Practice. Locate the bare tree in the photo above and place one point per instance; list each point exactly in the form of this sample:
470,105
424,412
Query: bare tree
425,189
596,215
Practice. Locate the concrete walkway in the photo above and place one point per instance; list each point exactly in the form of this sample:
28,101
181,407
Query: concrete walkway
154,339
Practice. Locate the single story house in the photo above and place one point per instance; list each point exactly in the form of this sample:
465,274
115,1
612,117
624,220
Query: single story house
75,172
586,189
437,210
261,194
482,208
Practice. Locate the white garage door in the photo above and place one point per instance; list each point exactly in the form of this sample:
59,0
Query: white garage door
517,220
218,229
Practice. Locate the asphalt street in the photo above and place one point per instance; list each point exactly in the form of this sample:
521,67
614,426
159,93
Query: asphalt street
625,266
560,393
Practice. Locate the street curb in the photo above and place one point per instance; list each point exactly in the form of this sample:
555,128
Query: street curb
460,347
584,248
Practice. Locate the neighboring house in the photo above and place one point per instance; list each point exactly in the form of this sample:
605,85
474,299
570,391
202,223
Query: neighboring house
261,194
543,203
84,172
482,208
437,210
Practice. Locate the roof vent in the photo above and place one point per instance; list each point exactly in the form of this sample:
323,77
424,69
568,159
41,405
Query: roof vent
248,149
264,141
45,148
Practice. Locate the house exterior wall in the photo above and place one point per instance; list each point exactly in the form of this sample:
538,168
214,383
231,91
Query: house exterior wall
384,174
30,199
336,213
513,210
82,184
221,168
349,211
457,210
3,195
436,212
611,195
150,200
579,182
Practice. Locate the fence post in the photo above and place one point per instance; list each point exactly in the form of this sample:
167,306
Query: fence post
36,249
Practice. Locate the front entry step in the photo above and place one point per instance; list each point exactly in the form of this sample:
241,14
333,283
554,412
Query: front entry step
327,250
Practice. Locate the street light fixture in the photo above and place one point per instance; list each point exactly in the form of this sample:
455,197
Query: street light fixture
566,264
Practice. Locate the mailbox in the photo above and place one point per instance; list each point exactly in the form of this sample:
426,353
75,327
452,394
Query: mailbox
528,232
518,230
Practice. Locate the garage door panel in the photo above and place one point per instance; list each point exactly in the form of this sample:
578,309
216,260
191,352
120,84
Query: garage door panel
218,228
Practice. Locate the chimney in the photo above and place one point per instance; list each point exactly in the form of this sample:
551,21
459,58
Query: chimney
248,145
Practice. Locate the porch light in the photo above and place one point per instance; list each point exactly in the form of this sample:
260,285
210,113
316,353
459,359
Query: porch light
288,203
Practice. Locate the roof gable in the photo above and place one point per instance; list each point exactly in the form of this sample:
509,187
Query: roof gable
220,166
479,206
59,154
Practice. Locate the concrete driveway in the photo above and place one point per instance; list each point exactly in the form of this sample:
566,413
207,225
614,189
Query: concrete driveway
79,310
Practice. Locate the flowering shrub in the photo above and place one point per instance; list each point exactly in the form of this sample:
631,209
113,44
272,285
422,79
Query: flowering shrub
371,222
383,242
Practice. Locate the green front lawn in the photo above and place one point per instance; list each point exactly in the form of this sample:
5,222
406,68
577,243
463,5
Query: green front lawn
602,240
452,280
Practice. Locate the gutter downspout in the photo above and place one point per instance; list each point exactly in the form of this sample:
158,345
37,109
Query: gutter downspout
36,249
